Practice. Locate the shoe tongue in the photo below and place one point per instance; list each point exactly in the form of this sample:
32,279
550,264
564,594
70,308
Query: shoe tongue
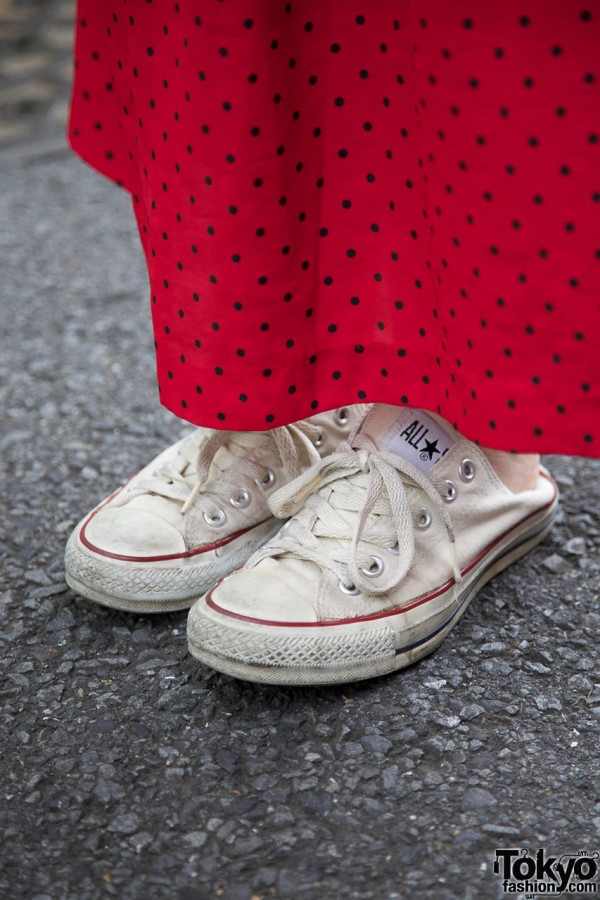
413,434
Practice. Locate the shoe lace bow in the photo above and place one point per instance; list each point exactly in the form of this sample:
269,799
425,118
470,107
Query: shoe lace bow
199,470
384,515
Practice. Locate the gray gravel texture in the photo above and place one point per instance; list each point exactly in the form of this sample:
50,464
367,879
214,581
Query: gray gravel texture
127,769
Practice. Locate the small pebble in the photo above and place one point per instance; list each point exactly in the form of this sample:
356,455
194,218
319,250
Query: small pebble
576,546
556,564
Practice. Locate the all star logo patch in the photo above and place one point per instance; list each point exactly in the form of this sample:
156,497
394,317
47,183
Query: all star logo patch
418,438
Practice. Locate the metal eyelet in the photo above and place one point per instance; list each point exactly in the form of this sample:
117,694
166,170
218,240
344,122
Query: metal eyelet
395,550
217,520
267,481
424,518
342,416
375,569
320,439
349,589
450,495
242,500
466,470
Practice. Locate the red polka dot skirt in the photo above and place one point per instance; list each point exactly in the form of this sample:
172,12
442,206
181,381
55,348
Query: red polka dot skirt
348,202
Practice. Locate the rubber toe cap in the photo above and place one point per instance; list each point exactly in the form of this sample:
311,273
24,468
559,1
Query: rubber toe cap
131,533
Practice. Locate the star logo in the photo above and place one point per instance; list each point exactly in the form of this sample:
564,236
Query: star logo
430,448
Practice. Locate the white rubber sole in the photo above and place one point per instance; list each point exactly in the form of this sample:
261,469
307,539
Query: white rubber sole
271,653
156,587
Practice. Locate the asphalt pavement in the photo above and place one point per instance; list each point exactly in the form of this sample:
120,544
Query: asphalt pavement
129,770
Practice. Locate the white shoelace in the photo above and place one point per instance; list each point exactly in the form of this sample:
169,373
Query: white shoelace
201,470
364,481
176,478
250,455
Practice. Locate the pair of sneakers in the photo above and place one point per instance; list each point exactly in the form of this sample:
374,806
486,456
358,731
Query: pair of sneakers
393,522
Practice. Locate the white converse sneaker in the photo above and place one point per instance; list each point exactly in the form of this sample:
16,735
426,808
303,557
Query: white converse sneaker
391,539
194,514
